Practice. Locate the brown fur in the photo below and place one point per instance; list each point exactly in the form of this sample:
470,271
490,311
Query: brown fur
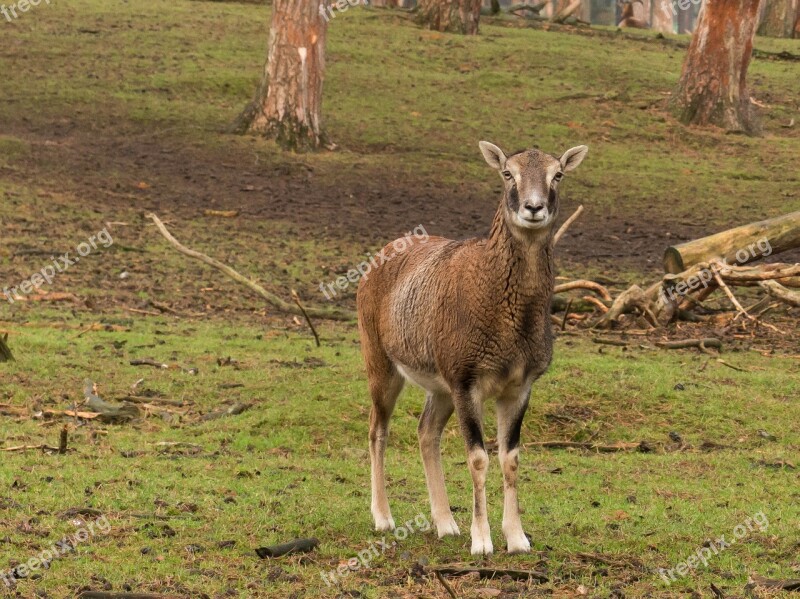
466,320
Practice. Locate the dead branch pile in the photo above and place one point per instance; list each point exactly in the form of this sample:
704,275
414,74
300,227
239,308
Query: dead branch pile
706,268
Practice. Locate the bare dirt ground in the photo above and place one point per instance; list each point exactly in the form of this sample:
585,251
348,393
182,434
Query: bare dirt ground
182,180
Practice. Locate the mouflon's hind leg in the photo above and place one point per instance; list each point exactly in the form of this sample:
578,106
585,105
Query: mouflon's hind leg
437,411
469,410
385,385
510,412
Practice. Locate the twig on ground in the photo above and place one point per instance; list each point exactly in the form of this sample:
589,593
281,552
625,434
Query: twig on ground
138,311
271,298
5,351
62,440
492,573
179,444
615,342
296,546
643,446
109,595
583,284
715,272
29,447
724,363
593,300
296,299
153,400
445,584
567,223
566,315
148,362
686,343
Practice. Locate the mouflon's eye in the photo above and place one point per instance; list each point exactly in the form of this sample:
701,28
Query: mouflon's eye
558,176
507,175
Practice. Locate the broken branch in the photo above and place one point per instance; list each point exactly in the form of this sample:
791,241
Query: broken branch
271,298
567,223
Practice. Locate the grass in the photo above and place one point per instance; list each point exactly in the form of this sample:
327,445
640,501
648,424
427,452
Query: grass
403,104
295,465
190,67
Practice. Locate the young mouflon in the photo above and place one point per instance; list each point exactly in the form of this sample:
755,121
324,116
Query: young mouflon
467,321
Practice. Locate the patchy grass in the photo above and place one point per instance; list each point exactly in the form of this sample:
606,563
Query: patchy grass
415,103
295,464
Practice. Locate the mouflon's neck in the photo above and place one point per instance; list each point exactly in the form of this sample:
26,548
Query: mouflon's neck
520,262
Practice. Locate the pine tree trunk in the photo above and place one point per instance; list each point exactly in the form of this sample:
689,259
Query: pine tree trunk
288,102
712,89
779,17
457,16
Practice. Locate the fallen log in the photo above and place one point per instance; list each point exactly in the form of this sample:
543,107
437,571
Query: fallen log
780,292
740,245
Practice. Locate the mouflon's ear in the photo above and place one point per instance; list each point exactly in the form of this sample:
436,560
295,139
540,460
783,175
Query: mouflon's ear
494,156
573,157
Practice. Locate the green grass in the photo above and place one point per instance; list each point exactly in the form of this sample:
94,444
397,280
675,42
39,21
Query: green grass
296,465
415,103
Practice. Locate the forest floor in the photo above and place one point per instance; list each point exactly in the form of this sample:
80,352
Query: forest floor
111,110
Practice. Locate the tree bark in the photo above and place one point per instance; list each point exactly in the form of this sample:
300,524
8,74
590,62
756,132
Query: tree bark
712,89
779,18
457,16
288,101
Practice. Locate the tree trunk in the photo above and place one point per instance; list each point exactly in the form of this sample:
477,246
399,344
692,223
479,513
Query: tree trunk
288,102
712,89
457,16
779,17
